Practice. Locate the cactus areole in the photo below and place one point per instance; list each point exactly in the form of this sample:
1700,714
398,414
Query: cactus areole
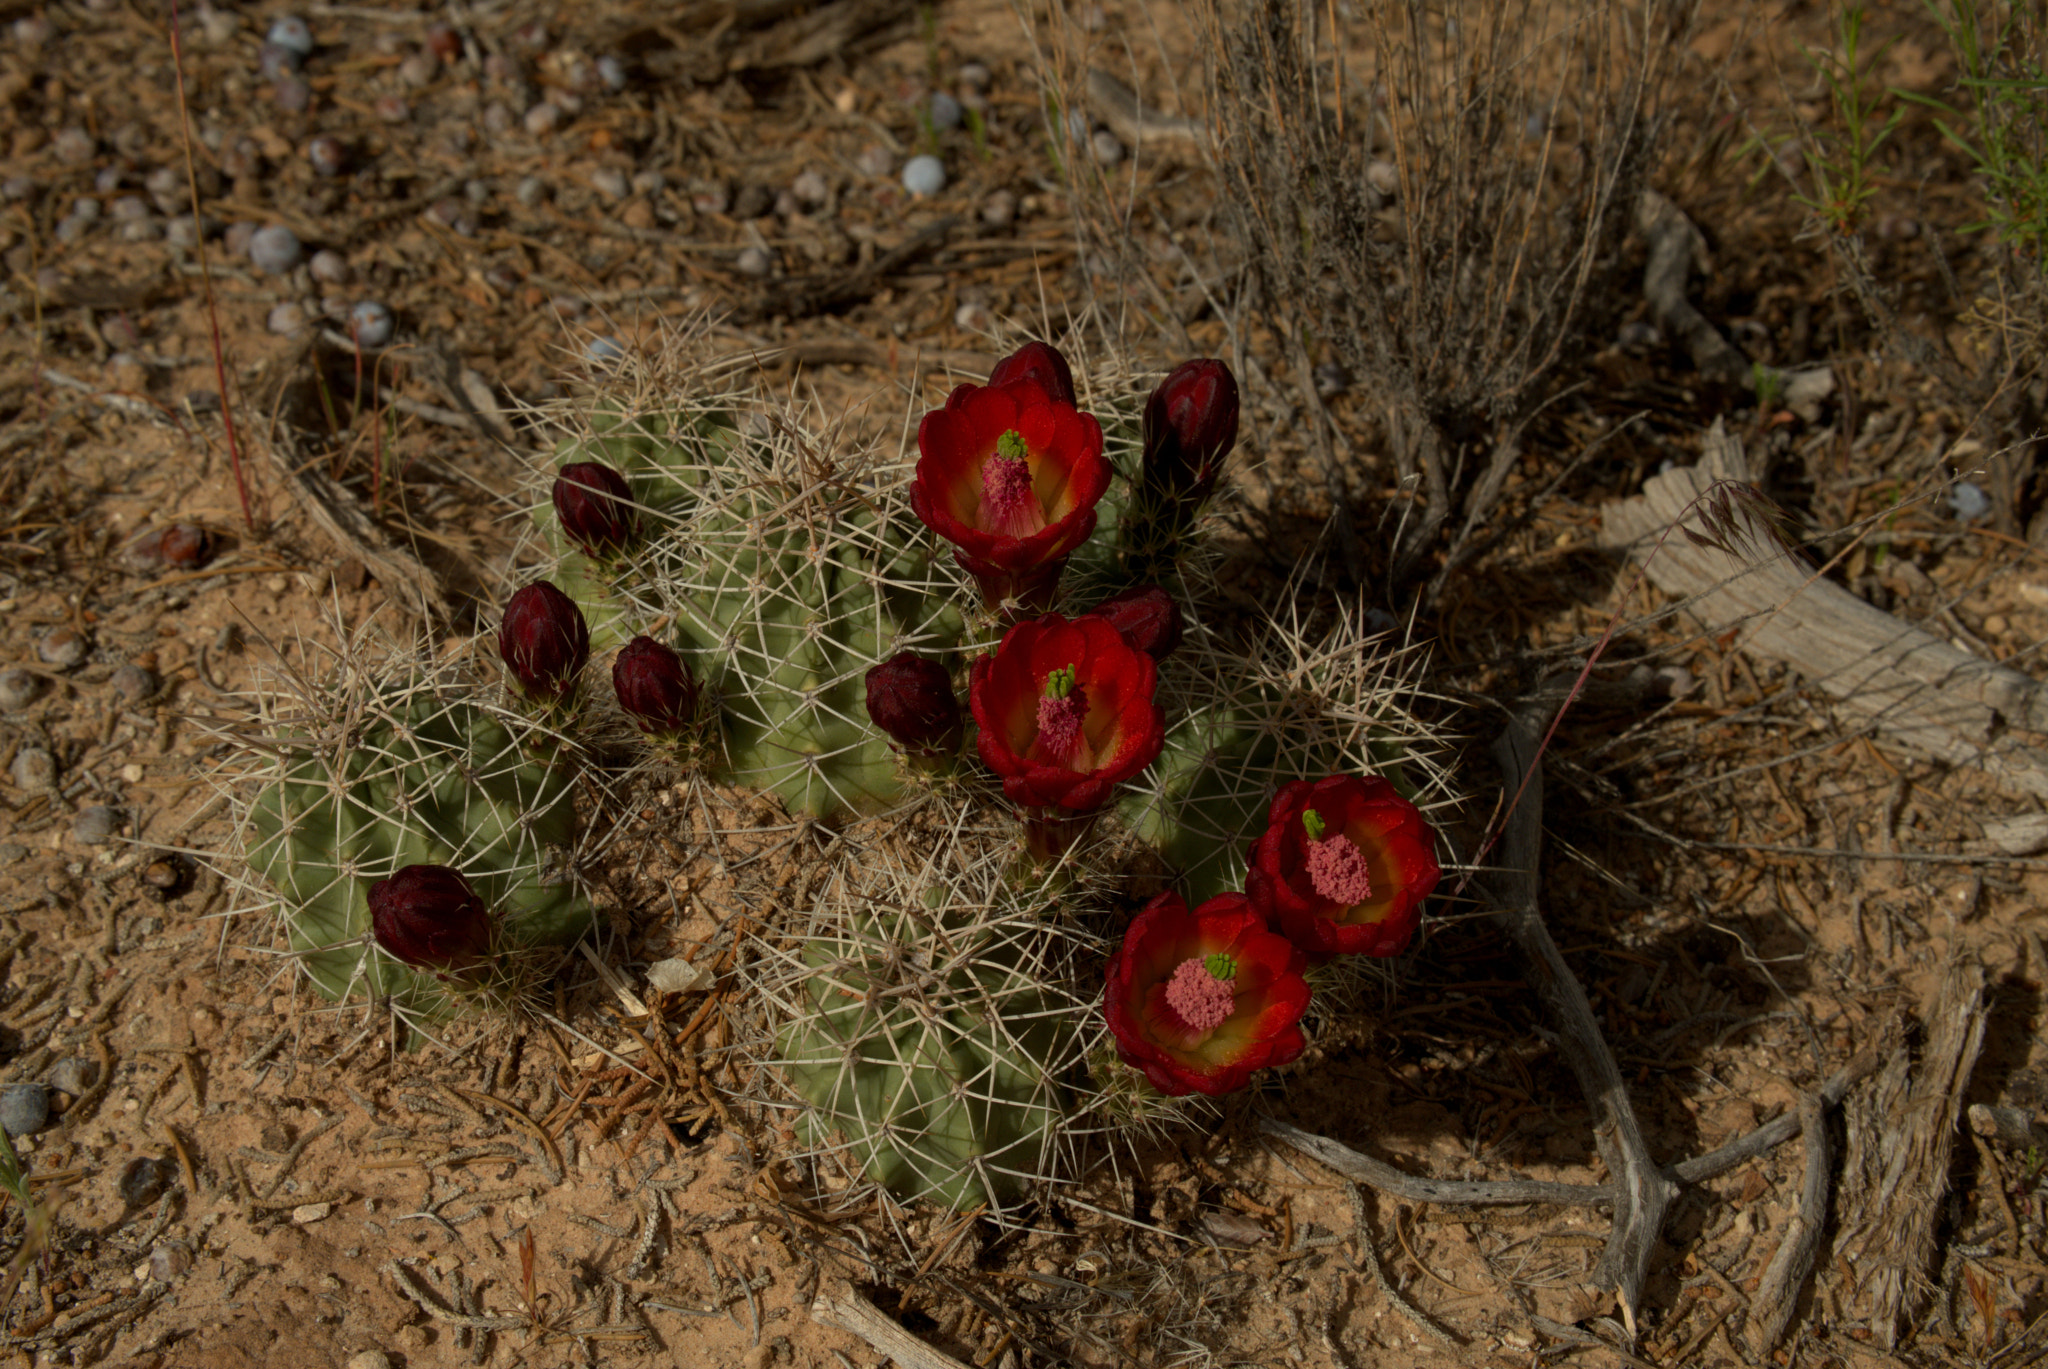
1200,1000
1343,866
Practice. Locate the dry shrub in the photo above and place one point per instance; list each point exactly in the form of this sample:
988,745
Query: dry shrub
1434,193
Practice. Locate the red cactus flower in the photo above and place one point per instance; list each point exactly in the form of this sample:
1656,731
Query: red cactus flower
1040,362
1344,866
1190,426
544,641
595,507
1147,616
1066,714
1198,1000
655,687
911,700
1010,475
429,916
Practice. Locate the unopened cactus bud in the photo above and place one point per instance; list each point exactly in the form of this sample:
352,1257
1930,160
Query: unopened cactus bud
911,700
1190,427
1147,616
544,641
655,687
595,507
1040,362
429,916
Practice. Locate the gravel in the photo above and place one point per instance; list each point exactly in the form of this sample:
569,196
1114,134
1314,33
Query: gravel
19,687
328,156
290,32
370,324
875,160
73,1075
328,267
134,683
610,182
285,319
811,189
946,112
999,210
64,647
35,770
275,249
96,825
1106,148
924,175
24,1109
754,262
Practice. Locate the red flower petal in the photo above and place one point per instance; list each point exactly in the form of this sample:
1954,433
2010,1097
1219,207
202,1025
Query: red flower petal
1262,1030
1398,847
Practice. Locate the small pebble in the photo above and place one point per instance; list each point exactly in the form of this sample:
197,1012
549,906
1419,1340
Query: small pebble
275,249
15,189
35,770
946,113
454,215
144,1180
787,205
476,191
131,207
285,319
108,179
542,119
290,31
811,189
275,61
1969,501
219,26
181,546
499,118
1638,335
181,230
19,687
74,147
32,31
999,210
924,175
169,1260
73,1075
64,648
369,1359
974,74
610,182
293,94
604,351
96,825
754,262
134,683
1106,148
752,202
1331,380
370,324
1384,177
85,209
167,186
531,191
328,156
392,109
649,182
24,1109
875,160
1078,126
308,1213
419,70
328,267
612,72
973,318
710,197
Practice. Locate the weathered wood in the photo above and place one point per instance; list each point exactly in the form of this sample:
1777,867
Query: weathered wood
849,1311
1914,687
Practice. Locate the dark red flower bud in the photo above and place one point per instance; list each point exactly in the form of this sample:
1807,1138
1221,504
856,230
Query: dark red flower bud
595,506
1147,616
1040,362
1190,426
429,916
912,700
544,641
654,686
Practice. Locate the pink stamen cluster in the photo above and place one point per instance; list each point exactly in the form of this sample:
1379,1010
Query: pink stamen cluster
1059,723
1339,870
1199,998
1008,501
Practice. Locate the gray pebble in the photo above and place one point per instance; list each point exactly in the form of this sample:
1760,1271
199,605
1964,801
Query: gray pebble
19,687
169,1260
604,351
419,70
476,191
275,61
131,207
924,175
946,113
73,1075
74,147
96,825
531,191
64,647
182,230
649,182
35,770
752,202
392,109
1638,335
285,319
289,31
328,267
166,185
24,1109
754,262
1331,380
710,197
999,210
1106,148
144,1180
610,182
275,249
370,324
369,1359
454,215
293,94
875,160
499,118
542,119
612,72
1968,501
134,683
974,74
328,156
811,189
85,209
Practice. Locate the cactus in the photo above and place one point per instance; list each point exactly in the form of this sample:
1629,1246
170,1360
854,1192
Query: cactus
928,1015
782,576
394,764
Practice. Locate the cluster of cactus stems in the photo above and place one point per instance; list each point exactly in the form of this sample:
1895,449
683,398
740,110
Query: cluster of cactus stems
960,665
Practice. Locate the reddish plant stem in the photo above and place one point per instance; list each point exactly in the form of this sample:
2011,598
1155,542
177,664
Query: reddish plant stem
220,369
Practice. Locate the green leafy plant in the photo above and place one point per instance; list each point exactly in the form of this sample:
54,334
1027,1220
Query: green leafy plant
1841,166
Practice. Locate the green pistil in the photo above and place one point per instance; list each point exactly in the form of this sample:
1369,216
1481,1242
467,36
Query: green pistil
1221,968
1060,683
1313,822
1010,446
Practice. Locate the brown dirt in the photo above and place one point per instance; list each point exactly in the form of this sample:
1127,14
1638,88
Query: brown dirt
1735,876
